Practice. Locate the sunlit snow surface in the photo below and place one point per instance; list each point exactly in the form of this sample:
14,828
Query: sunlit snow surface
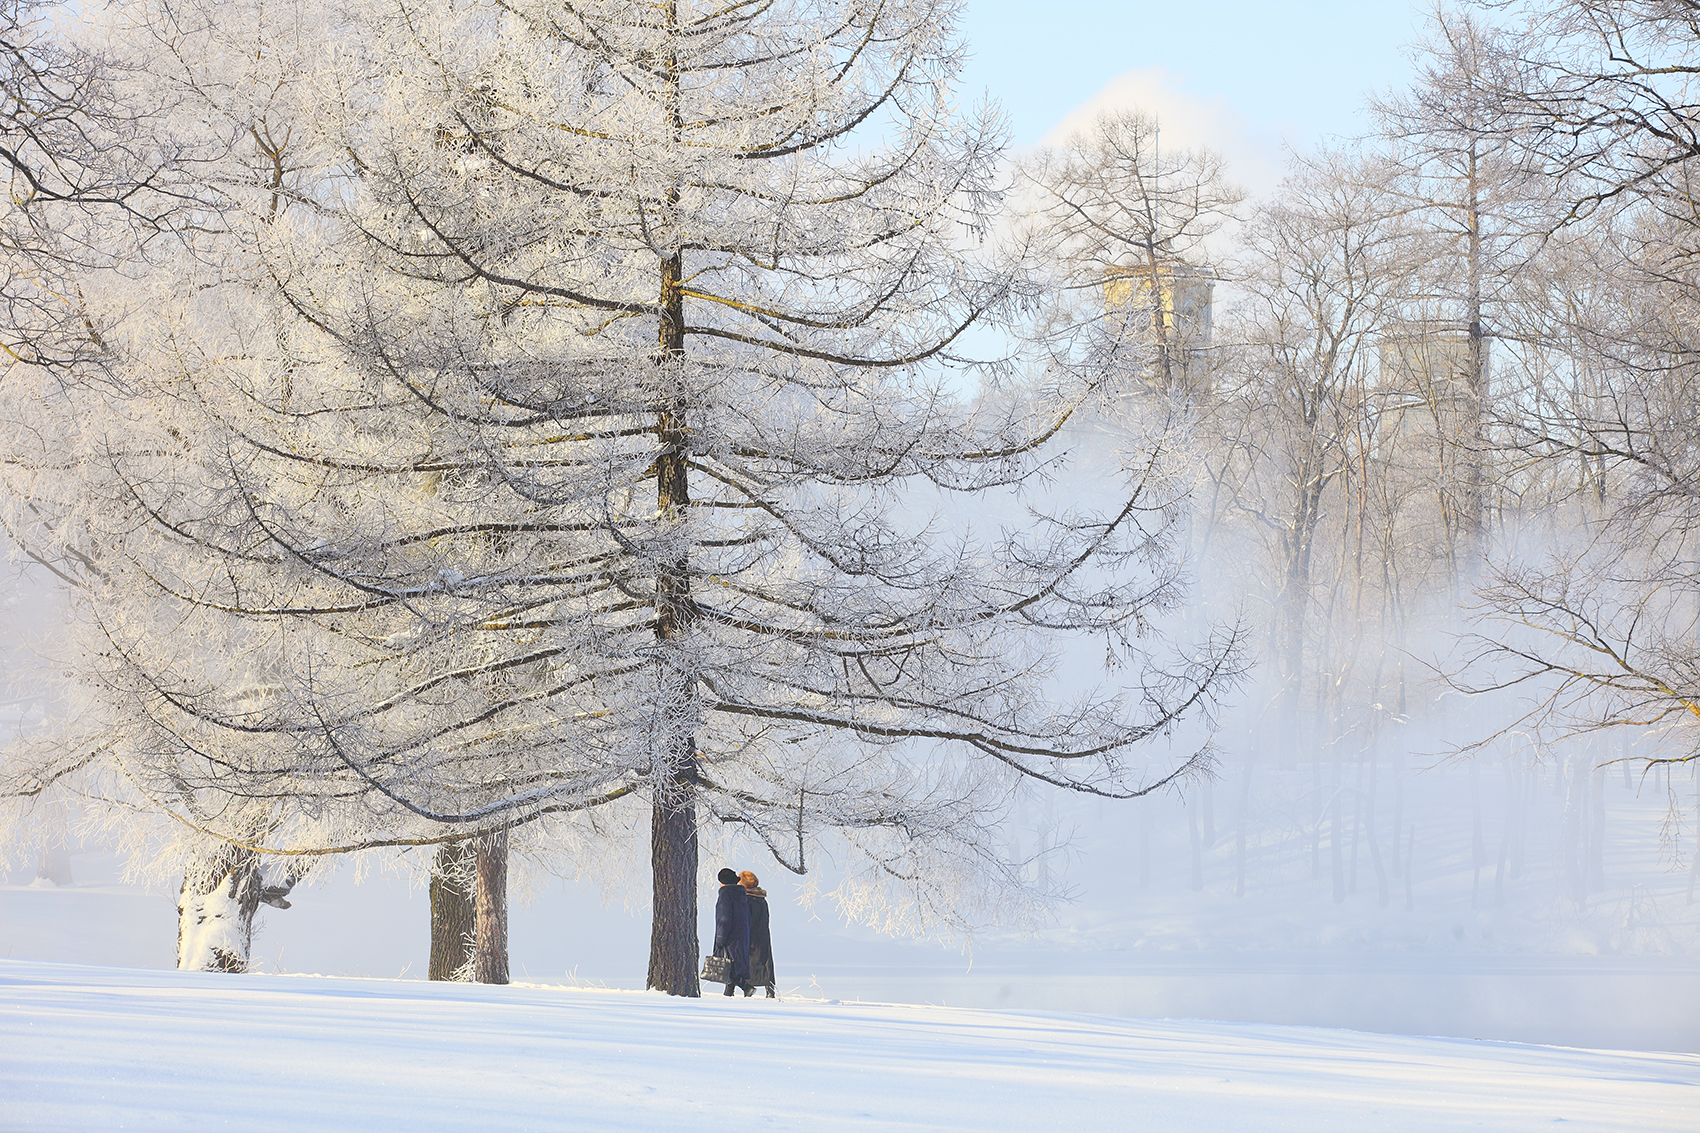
109,1048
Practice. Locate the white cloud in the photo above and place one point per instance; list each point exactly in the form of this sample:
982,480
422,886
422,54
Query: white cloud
1254,156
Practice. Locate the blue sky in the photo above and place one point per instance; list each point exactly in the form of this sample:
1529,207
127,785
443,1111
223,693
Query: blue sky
1256,74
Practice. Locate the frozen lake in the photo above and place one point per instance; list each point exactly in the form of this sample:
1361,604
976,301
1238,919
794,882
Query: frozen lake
1630,1003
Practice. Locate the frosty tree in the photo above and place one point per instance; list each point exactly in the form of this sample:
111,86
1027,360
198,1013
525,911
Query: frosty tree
1459,169
94,175
594,440
98,174
1593,619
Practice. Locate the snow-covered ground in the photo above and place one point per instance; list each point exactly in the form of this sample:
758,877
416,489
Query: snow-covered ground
102,1048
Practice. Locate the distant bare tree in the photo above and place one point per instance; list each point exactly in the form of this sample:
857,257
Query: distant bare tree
1594,620
1325,267
1475,199
1606,93
1597,615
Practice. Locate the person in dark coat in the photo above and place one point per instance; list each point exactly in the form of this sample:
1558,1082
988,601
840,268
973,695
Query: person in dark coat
732,929
761,941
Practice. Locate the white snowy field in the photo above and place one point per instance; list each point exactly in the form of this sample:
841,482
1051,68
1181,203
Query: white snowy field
109,1048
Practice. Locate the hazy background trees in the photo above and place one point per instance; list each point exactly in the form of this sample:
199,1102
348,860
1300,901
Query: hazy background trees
1512,494
1593,612
1435,432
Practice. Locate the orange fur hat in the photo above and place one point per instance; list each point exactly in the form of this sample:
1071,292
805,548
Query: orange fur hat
748,880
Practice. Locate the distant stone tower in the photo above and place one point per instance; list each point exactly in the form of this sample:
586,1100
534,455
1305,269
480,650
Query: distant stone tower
1426,371
1177,299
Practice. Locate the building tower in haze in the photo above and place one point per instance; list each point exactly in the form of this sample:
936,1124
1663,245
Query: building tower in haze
1176,300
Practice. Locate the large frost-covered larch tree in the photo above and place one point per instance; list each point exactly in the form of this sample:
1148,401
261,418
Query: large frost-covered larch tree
595,439
135,192
94,174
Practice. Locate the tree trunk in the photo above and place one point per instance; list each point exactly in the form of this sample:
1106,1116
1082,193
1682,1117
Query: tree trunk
54,865
215,910
673,941
673,815
1293,601
490,910
452,910
1474,439
1197,849
1240,826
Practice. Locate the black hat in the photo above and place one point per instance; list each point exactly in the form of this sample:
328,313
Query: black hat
728,876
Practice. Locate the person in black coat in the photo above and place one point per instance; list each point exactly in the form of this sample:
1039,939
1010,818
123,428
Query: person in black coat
761,941
732,929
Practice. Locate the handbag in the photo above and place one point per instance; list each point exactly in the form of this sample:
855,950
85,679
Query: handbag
717,969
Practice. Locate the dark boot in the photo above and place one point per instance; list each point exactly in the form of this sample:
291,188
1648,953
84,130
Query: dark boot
770,994
730,988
